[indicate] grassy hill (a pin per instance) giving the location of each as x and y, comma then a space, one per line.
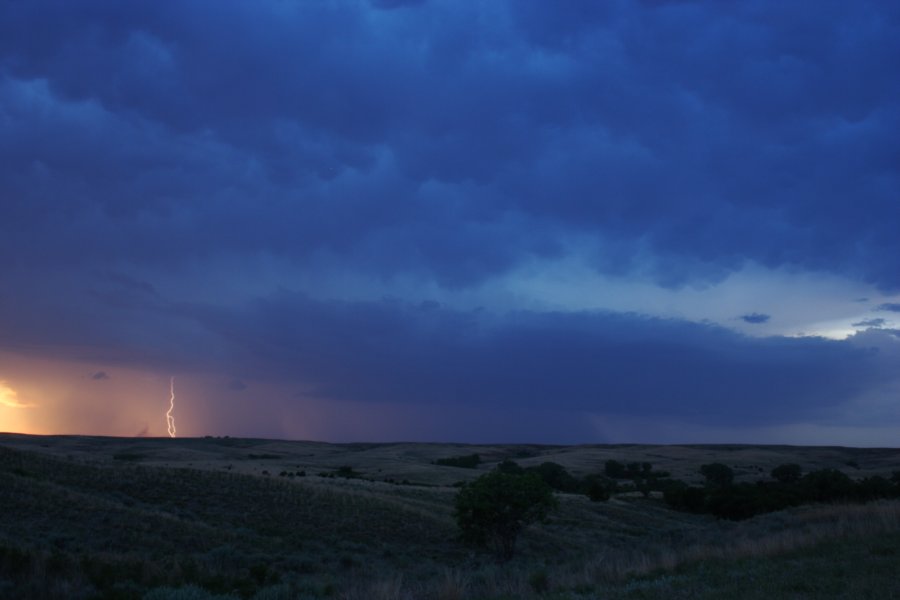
87, 517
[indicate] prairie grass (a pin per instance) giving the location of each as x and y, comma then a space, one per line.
121, 529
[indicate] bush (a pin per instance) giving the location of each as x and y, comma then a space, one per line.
556, 476
614, 469
510, 467
788, 473
746, 500
347, 472
826, 485
492, 510
717, 474
873, 488
687, 498
539, 581
596, 489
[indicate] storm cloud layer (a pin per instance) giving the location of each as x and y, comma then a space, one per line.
252, 190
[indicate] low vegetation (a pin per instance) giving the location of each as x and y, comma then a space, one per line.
788, 487
131, 528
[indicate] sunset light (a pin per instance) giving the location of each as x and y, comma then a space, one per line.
9, 397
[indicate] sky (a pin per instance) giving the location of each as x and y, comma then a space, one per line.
507, 221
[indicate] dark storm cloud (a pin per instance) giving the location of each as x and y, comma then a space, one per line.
144, 145
609, 363
453, 141
869, 323
236, 385
755, 318
392, 4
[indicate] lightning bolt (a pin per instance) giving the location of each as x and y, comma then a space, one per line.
170, 420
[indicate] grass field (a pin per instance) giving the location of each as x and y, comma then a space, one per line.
84, 517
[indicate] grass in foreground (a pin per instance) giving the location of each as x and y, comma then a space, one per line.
74, 530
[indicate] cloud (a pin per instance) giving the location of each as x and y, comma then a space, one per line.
392, 4
869, 323
889, 306
167, 176
99, 375
9, 397
487, 136
610, 363
755, 318
236, 385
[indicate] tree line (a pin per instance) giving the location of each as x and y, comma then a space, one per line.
493, 509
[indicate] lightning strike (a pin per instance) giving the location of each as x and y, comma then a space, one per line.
170, 420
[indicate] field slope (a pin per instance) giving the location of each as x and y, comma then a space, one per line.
134, 518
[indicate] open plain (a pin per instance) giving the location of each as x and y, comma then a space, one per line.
95, 517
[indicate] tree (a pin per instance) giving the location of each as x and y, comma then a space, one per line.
556, 476
510, 467
826, 485
614, 469
717, 474
596, 489
492, 510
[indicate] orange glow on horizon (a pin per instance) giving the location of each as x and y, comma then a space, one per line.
12, 418
9, 397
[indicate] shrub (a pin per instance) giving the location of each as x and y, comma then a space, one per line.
347, 472
746, 500
492, 510
872, 488
614, 469
687, 498
556, 476
595, 489
826, 485
511, 467
788, 473
717, 474
539, 581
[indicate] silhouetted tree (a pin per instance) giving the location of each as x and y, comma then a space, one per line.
717, 474
493, 509
556, 476
596, 489
826, 485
